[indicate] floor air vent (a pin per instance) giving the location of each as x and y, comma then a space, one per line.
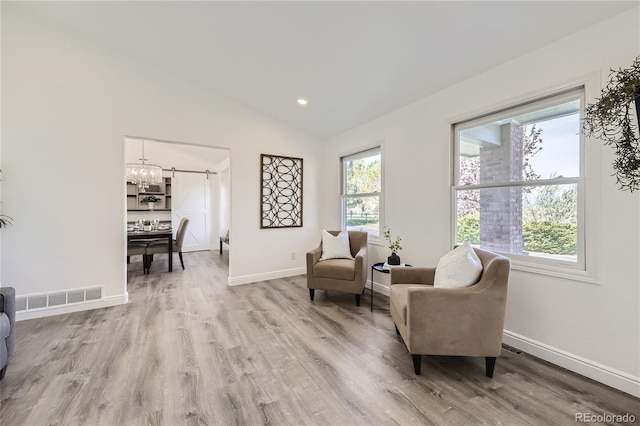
58, 298
513, 350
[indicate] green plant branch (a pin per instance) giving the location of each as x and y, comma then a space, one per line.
610, 119
394, 245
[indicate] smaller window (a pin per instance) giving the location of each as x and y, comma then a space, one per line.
361, 191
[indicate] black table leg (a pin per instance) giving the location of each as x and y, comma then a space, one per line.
372, 289
170, 246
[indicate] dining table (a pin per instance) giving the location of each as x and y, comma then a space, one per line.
159, 233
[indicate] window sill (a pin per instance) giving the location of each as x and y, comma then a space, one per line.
375, 241
566, 273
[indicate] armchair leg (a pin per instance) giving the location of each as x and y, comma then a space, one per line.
417, 363
3, 372
312, 292
397, 331
181, 262
357, 300
490, 363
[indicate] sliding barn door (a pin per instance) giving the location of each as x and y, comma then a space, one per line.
190, 198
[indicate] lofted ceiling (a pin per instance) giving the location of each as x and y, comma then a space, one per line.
354, 61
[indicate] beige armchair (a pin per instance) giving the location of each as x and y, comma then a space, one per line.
343, 275
451, 321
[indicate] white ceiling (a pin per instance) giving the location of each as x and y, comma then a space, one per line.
354, 61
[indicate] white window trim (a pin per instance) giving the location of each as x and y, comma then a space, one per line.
361, 153
585, 270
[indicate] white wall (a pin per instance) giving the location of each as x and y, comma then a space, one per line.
225, 197
592, 328
67, 103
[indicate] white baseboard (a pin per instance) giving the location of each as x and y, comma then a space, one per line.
379, 288
593, 370
248, 279
121, 299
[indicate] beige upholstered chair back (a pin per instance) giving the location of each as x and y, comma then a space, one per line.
180, 233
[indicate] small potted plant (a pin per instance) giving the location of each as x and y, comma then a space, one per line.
151, 201
146, 225
394, 246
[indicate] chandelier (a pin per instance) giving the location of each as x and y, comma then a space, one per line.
143, 174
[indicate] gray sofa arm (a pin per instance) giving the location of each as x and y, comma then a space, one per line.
8, 307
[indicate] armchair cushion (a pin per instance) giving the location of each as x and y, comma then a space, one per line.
461, 267
337, 269
335, 247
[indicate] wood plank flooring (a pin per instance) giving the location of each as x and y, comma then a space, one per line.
187, 349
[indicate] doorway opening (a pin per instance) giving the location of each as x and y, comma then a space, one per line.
195, 186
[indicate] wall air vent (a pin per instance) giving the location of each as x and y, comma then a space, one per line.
513, 350
37, 302
57, 299
21, 303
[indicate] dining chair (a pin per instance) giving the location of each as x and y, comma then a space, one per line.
135, 249
161, 246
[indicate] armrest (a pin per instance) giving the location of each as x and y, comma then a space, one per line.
313, 257
8, 301
360, 257
8, 306
407, 275
361, 264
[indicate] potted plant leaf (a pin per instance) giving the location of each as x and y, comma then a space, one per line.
4, 221
610, 118
151, 201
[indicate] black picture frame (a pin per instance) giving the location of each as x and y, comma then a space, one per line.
281, 184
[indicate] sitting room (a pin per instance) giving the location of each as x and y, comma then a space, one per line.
422, 225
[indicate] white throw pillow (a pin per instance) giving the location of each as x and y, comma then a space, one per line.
335, 247
461, 267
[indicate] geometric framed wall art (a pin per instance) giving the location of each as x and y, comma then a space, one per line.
280, 191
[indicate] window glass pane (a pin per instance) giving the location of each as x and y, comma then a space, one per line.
538, 221
363, 213
362, 175
539, 144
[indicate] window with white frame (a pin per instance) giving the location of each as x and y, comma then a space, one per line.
362, 191
518, 181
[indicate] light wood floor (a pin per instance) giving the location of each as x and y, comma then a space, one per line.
187, 349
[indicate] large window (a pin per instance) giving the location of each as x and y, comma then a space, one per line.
361, 191
518, 185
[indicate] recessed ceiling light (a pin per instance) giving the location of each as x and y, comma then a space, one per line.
302, 101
